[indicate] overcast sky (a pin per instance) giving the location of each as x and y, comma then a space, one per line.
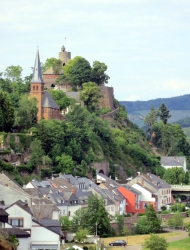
144, 43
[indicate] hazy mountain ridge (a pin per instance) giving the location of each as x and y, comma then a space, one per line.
172, 103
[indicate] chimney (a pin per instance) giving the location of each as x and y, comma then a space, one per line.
73, 191
26, 203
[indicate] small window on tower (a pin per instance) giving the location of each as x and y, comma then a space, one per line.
37, 88
33, 87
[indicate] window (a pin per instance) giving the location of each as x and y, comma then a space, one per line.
33, 87
16, 222
112, 208
36, 87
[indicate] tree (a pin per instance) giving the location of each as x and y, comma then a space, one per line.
90, 95
155, 242
149, 223
53, 63
36, 153
13, 72
61, 99
65, 164
175, 175
120, 223
79, 220
81, 235
164, 113
176, 220
97, 215
7, 112
98, 74
65, 223
77, 71
150, 120
26, 114
126, 231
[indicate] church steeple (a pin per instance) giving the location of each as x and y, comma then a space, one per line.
37, 72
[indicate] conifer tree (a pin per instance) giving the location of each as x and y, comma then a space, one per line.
164, 113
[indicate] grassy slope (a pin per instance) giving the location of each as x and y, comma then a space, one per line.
180, 244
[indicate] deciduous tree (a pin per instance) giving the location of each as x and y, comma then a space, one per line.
98, 74
90, 95
155, 242
77, 71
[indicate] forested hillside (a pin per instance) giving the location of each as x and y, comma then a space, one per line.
173, 103
72, 145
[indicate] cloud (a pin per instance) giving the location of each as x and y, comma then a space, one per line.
175, 85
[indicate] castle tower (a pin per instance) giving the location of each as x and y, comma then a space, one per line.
37, 85
64, 56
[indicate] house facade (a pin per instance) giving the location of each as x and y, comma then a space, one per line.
173, 161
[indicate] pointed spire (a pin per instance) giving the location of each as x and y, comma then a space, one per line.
37, 73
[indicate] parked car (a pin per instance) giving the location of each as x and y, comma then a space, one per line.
118, 243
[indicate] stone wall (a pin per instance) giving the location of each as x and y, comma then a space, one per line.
101, 167
107, 99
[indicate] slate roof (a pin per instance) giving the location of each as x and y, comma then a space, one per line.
44, 211
17, 232
49, 228
48, 101
37, 72
156, 180
165, 160
22, 205
44, 183
38, 192
3, 212
61, 183
74, 95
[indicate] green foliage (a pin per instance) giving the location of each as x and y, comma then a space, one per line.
176, 220
17, 177
126, 231
150, 120
155, 242
53, 63
149, 223
81, 235
163, 113
65, 223
7, 112
120, 223
13, 72
98, 74
90, 95
94, 213
61, 99
65, 164
175, 175
77, 71
6, 166
37, 153
13, 240
26, 113
178, 207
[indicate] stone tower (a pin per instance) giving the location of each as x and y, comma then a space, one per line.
64, 56
37, 85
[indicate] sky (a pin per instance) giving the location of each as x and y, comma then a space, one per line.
144, 43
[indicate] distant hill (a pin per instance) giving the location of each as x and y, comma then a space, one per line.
173, 103
184, 123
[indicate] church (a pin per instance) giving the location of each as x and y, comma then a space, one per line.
47, 108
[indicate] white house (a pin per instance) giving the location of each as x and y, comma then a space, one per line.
173, 161
41, 237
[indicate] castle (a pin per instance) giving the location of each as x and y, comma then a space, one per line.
47, 108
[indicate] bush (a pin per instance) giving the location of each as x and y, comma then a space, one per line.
85, 247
